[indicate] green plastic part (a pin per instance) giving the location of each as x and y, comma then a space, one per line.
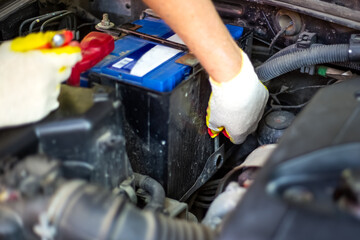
322, 71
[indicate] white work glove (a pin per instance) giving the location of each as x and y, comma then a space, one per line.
235, 107
30, 75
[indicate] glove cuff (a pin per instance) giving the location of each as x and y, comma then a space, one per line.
245, 83
245, 76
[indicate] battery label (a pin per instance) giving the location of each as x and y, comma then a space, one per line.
123, 62
155, 57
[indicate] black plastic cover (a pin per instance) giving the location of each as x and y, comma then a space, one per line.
322, 142
13, 13
85, 133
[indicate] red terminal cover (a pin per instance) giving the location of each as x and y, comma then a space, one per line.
67, 35
94, 48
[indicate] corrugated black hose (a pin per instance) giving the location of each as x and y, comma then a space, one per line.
311, 56
82, 211
282, 52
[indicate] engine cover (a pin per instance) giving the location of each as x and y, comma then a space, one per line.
294, 195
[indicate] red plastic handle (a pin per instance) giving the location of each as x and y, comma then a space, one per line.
94, 48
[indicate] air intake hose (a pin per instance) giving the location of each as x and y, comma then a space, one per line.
82, 211
307, 57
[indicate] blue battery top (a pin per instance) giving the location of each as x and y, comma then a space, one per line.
148, 64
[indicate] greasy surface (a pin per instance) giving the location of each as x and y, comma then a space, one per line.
263, 20
165, 132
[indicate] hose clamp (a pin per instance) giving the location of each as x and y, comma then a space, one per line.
354, 47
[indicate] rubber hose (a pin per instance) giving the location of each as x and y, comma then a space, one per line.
289, 49
152, 226
306, 57
155, 190
284, 51
82, 211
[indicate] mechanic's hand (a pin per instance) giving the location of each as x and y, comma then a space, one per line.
31, 71
235, 107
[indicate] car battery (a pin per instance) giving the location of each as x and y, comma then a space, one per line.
165, 103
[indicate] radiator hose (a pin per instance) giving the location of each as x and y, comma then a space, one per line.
306, 57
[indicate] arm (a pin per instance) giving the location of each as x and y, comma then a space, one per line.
200, 27
238, 98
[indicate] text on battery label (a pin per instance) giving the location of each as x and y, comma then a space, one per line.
123, 62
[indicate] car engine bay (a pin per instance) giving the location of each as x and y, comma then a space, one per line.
127, 154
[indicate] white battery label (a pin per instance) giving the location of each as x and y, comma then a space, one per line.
123, 62
155, 57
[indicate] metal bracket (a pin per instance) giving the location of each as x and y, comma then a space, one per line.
131, 26
188, 59
127, 187
152, 38
116, 31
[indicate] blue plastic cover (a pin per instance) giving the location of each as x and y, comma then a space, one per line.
130, 49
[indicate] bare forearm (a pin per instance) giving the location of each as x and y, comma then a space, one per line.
200, 27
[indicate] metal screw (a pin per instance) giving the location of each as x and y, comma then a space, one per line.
105, 22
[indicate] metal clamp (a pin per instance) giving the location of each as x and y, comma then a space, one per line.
108, 27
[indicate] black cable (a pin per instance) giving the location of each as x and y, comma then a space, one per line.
298, 89
289, 107
281, 32
85, 25
280, 106
38, 19
265, 42
54, 19
311, 56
